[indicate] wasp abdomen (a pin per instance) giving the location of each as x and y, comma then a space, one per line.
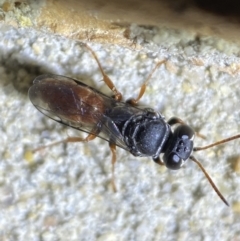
67, 100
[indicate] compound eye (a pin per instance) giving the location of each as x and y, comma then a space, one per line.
173, 161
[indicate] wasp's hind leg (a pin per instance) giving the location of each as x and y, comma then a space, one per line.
114, 159
91, 136
88, 138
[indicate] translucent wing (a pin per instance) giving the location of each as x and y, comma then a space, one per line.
75, 104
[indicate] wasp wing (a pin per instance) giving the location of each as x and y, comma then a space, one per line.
72, 103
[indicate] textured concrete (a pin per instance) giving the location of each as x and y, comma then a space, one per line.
64, 192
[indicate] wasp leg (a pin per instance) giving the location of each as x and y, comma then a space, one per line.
176, 120
106, 79
158, 161
114, 159
144, 85
68, 139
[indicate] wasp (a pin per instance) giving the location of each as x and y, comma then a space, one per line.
141, 131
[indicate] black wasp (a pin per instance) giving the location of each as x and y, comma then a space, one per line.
141, 131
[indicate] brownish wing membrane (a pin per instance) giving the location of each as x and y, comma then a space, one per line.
75, 104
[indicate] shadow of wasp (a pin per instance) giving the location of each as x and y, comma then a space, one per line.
141, 131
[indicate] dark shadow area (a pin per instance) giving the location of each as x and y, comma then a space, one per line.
21, 73
220, 7
225, 8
